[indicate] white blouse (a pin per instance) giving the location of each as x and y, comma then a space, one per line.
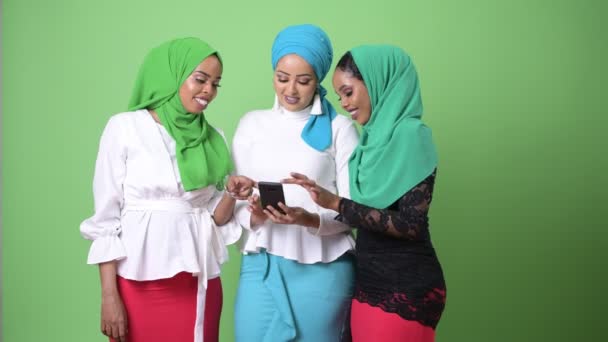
143, 217
267, 146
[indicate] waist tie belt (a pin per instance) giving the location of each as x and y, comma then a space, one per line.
208, 237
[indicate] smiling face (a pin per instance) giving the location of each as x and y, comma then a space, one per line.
295, 83
353, 96
200, 88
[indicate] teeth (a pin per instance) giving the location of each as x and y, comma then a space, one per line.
202, 102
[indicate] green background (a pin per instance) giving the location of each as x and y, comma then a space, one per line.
514, 91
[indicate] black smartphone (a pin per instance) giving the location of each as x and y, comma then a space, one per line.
271, 193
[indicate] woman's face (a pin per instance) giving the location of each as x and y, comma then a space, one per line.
295, 83
200, 88
353, 96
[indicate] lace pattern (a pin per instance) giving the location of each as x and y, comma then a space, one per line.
397, 268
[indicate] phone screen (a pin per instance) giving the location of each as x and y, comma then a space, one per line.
271, 193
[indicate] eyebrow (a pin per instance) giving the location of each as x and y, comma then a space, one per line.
206, 74
288, 74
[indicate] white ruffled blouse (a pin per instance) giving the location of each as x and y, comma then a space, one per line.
266, 147
143, 217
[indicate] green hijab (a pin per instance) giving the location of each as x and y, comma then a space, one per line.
202, 155
396, 150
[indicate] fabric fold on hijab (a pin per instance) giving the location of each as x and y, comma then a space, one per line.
202, 156
396, 150
312, 44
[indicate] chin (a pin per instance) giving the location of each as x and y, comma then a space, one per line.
294, 108
195, 111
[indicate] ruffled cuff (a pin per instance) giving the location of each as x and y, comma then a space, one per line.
230, 231
106, 248
328, 225
242, 215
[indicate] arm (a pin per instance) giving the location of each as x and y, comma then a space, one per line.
237, 187
247, 214
104, 226
346, 141
223, 210
409, 222
113, 314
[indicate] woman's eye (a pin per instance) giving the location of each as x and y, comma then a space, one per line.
201, 80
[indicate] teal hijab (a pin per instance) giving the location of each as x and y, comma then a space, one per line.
396, 150
202, 156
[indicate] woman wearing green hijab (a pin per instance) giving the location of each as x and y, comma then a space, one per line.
400, 290
162, 218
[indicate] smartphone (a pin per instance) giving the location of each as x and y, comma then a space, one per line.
271, 193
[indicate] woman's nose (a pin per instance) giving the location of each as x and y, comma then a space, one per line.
291, 88
343, 103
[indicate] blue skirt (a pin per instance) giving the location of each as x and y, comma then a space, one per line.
282, 300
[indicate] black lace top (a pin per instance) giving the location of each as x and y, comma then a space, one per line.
397, 269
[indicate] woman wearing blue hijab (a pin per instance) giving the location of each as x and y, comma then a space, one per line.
297, 270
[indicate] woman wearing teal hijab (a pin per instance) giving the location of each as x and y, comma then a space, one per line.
297, 275
400, 291
162, 218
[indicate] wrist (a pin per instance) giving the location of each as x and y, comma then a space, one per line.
312, 221
228, 196
335, 204
109, 292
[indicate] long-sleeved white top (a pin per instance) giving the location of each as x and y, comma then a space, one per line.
143, 217
267, 146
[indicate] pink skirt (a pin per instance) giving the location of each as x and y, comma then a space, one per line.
165, 310
370, 324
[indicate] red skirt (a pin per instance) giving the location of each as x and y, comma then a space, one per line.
372, 324
166, 310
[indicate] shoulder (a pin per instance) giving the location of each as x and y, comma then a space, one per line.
342, 122
126, 118
253, 120
255, 116
121, 124
341, 126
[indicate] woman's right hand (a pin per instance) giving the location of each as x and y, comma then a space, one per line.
114, 317
258, 217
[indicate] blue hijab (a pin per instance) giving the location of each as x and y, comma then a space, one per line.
313, 45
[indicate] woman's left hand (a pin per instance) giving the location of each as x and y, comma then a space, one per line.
292, 215
318, 194
240, 187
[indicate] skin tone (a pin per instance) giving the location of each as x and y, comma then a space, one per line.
354, 98
295, 84
197, 91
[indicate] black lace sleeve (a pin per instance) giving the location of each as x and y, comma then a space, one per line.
405, 219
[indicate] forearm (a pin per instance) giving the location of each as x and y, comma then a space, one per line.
223, 211
107, 275
403, 224
311, 220
334, 204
